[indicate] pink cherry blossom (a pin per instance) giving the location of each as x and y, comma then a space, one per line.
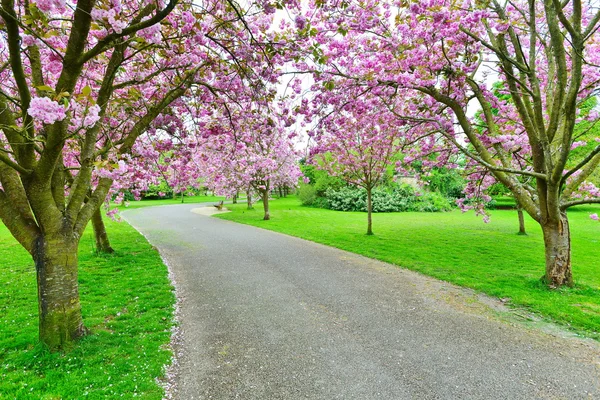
46, 110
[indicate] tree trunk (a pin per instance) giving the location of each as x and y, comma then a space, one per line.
557, 243
265, 199
280, 191
369, 211
102, 242
182, 194
521, 220
58, 295
249, 200
234, 199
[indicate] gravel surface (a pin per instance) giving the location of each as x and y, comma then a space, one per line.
267, 316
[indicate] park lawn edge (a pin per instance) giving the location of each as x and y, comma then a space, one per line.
127, 304
575, 309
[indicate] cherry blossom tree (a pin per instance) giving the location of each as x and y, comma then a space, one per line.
433, 61
81, 83
357, 143
254, 154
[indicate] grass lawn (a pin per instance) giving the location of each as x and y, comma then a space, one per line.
458, 248
127, 302
177, 200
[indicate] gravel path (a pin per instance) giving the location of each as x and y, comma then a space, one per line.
266, 316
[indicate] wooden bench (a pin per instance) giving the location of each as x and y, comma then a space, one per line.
219, 205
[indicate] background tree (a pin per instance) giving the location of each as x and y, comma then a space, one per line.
255, 153
357, 144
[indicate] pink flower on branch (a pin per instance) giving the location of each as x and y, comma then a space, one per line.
46, 110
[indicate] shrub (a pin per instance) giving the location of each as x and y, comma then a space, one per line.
154, 190
307, 194
447, 182
400, 198
432, 202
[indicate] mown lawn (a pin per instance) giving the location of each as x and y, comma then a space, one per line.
127, 302
458, 248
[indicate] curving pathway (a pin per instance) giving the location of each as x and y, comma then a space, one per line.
266, 316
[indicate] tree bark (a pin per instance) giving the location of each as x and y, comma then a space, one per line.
557, 242
265, 199
249, 200
102, 242
521, 220
60, 320
369, 211
234, 199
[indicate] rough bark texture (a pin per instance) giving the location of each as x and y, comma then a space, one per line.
557, 242
234, 199
100, 235
249, 200
521, 221
265, 199
369, 212
60, 321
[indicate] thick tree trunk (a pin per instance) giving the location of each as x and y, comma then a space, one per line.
369, 212
557, 242
234, 199
265, 199
102, 242
60, 321
249, 200
521, 221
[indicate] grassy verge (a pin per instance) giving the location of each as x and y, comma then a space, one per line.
177, 200
127, 302
461, 249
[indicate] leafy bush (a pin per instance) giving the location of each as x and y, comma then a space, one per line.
432, 202
307, 194
400, 198
347, 199
154, 190
448, 182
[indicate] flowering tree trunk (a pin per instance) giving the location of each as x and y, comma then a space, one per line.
557, 243
249, 200
60, 321
369, 211
100, 234
265, 199
521, 220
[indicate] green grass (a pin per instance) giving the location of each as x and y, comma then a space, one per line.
461, 249
127, 302
177, 200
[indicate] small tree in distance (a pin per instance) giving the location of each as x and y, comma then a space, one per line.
358, 145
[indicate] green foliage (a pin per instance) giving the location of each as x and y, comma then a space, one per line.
461, 249
447, 182
307, 194
154, 190
127, 302
400, 198
321, 180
